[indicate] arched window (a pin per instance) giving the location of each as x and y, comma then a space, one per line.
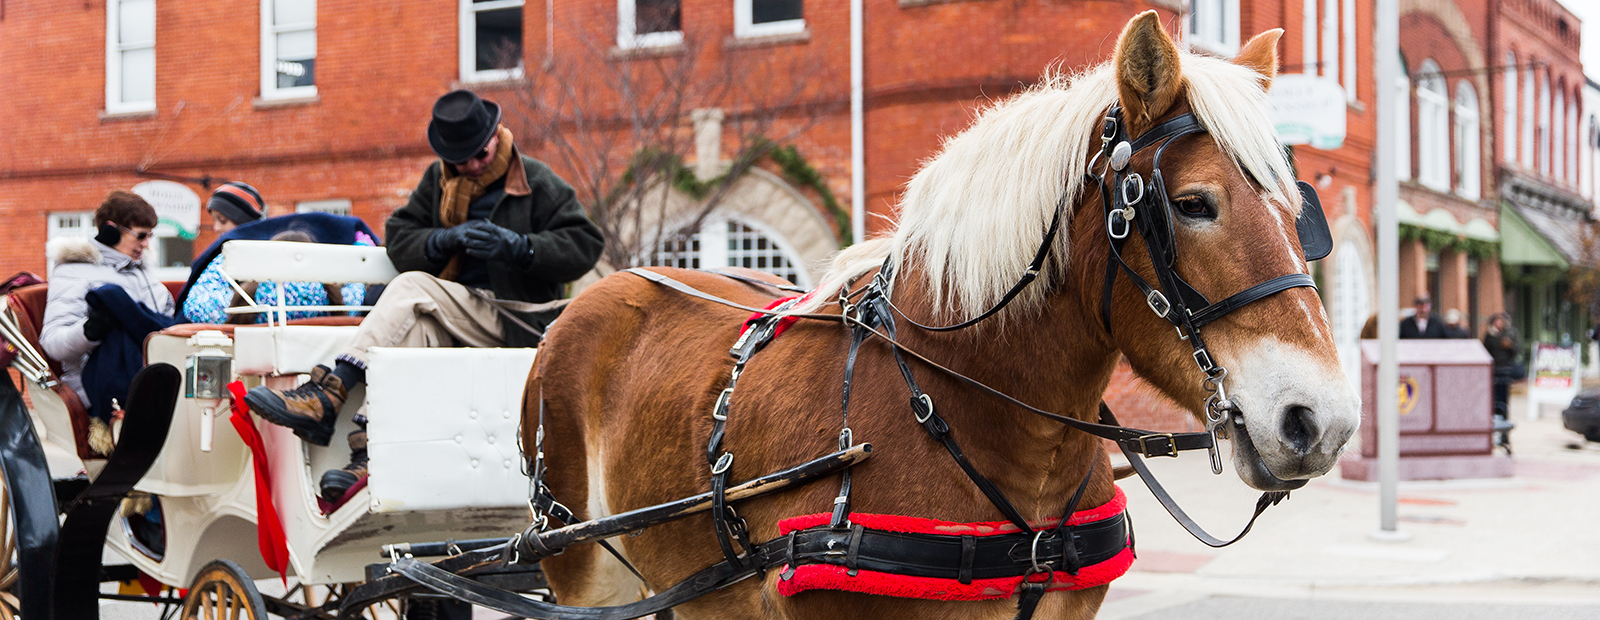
727, 242
1433, 128
1529, 113
1558, 132
1467, 164
1508, 150
1402, 123
1543, 130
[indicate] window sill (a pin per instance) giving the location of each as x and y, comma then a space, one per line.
290, 102
908, 4
1356, 106
490, 84
650, 51
768, 40
117, 117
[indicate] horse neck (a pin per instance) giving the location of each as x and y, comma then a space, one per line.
1054, 358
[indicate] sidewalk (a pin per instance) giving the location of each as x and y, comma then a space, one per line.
1533, 538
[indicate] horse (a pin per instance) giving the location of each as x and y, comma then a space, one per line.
628, 377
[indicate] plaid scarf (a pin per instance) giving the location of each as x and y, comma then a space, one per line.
458, 191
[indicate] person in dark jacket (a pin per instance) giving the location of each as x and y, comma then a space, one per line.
487, 240
1423, 324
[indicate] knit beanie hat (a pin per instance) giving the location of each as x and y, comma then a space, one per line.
238, 202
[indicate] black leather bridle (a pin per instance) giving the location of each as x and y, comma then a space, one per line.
1133, 203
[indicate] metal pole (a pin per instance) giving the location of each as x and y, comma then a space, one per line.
1386, 45
858, 136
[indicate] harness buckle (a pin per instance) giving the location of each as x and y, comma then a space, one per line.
1171, 447
928, 401
1136, 182
1115, 217
720, 411
1038, 566
1158, 303
846, 438
723, 463
1203, 358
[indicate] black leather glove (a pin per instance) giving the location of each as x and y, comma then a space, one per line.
98, 325
445, 242
489, 242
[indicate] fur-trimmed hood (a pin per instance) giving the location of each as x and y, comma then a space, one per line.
77, 250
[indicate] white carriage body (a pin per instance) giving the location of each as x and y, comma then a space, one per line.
444, 448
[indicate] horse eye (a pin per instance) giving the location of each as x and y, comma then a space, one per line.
1195, 206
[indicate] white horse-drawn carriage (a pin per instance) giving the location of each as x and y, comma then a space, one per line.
445, 460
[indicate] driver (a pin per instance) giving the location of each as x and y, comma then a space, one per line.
487, 235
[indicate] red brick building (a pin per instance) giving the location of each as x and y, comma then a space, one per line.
322, 104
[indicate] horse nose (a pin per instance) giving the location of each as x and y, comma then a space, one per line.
1299, 429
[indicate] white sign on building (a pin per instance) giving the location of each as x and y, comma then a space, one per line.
177, 207
1308, 109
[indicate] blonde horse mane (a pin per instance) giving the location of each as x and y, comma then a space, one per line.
974, 214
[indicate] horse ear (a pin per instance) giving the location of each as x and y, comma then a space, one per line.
1261, 54
1148, 78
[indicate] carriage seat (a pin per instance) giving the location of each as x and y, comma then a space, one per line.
443, 428
27, 304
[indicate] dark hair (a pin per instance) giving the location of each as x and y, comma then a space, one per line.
127, 209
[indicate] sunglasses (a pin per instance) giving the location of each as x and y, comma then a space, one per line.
138, 236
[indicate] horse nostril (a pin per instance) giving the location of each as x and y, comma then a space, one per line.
1299, 429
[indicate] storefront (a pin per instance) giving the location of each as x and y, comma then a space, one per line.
1548, 256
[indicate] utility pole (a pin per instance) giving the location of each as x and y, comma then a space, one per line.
1386, 46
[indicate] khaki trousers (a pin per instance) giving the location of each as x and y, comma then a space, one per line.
419, 310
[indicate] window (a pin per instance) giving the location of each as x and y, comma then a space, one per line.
1467, 140
1214, 25
1350, 307
288, 49
759, 18
1508, 151
1349, 25
1542, 133
491, 40
649, 23
130, 56
68, 224
1528, 115
1433, 128
1402, 121
724, 242
1558, 134
1330, 39
338, 206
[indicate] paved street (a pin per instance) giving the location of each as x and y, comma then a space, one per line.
1522, 547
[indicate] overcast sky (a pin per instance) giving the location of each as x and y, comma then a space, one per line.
1589, 12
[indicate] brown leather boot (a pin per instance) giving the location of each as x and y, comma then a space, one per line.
335, 482
310, 410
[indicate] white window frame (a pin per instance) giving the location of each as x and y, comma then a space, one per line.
114, 50
1508, 151
713, 252
627, 20
1203, 19
1529, 113
743, 27
1543, 131
1402, 121
469, 42
1330, 39
1348, 24
269, 55
335, 206
1433, 128
1558, 134
55, 230
1469, 162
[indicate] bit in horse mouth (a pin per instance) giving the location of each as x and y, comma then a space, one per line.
1260, 476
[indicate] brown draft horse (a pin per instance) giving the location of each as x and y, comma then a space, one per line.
631, 371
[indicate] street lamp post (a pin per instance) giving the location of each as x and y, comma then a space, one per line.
1386, 46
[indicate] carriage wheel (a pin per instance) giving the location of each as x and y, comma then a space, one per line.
9, 603
223, 591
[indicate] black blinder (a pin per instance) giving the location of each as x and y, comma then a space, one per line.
1312, 225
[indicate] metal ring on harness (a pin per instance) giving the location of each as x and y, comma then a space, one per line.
1112, 219
1137, 182
723, 463
1038, 567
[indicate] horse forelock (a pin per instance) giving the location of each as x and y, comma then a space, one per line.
972, 217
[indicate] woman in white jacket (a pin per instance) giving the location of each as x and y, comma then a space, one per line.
124, 224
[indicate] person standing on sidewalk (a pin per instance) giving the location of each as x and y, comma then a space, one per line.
487, 238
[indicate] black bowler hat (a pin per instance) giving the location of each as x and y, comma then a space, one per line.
462, 124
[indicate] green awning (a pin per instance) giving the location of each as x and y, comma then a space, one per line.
1523, 242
